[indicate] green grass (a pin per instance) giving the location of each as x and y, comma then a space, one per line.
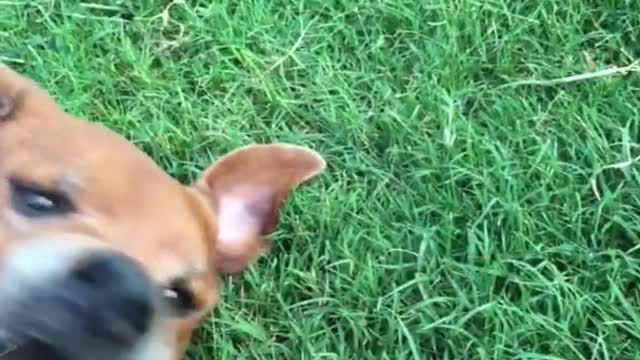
458, 217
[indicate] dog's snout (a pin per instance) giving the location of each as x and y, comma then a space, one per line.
103, 300
120, 285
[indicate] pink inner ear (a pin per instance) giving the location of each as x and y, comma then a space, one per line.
241, 217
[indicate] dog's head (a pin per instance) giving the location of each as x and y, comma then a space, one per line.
102, 254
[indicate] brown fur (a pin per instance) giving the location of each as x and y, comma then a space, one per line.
125, 201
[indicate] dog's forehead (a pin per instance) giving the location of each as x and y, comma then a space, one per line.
132, 202
60, 142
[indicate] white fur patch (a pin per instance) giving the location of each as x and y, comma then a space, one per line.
39, 260
152, 348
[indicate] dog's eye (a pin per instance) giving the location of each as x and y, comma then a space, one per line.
33, 201
179, 297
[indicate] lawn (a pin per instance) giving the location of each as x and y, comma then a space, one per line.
467, 212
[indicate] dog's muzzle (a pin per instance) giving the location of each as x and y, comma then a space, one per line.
98, 307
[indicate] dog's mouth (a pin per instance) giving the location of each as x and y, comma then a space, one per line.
101, 306
34, 349
45, 326
29, 350
53, 326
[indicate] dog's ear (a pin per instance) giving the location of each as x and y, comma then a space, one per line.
20, 94
247, 188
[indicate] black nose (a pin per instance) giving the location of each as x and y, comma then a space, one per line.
121, 293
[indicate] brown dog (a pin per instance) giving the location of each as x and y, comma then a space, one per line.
102, 254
